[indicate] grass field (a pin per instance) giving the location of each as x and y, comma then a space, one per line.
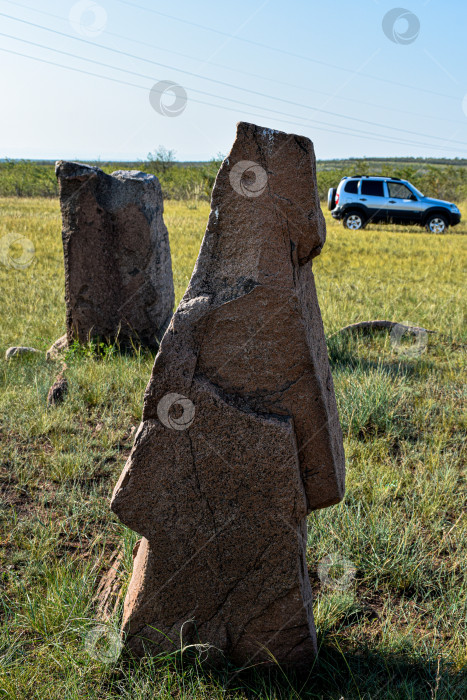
397, 629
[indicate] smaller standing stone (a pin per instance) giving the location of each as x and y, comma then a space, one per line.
118, 271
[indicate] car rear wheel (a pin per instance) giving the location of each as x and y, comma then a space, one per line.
436, 224
331, 198
354, 221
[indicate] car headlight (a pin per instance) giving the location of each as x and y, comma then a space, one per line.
454, 208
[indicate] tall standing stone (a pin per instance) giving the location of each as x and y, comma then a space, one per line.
118, 272
240, 436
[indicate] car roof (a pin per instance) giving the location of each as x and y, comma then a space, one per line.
372, 177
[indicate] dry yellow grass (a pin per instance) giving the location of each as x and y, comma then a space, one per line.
398, 628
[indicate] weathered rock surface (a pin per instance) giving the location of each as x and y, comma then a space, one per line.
118, 273
240, 435
19, 350
58, 390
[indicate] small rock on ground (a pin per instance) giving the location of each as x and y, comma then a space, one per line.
19, 350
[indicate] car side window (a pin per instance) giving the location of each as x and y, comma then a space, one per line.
373, 188
399, 191
352, 186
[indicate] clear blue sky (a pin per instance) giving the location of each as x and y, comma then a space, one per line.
323, 69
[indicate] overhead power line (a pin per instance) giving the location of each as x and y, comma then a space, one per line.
250, 74
201, 92
376, 137
229, 85
283, 51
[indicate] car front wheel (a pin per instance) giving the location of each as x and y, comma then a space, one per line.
436, 224
353, 221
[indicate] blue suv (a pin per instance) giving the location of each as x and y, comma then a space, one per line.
359, 200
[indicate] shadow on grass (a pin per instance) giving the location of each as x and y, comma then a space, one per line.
335, 675
366, 674
343, 352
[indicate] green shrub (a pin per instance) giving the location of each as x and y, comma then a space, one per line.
194, 181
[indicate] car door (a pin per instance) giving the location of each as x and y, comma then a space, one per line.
373, 197
403, 205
